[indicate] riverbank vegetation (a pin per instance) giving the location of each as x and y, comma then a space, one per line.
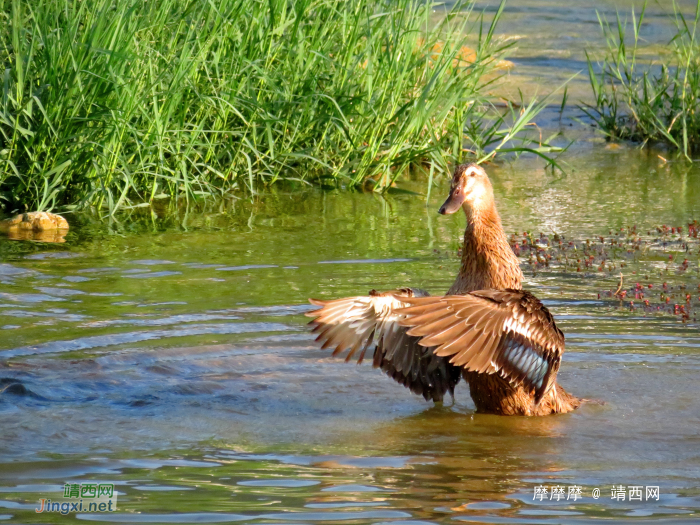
657, 102
111, 104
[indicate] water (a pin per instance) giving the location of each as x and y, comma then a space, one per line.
169, 355
553, 37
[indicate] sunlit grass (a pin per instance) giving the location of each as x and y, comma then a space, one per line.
649, 103
110, 104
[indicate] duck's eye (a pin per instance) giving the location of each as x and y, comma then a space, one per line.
472, 174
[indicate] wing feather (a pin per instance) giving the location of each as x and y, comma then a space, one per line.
358, 323
444, 332
509, 332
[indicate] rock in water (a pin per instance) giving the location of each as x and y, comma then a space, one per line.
36, 226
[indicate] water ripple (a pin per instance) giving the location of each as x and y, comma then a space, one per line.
164, 321
365, 261
246, 267
151, 274
99, 341
30, 297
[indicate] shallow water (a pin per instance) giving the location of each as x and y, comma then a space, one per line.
169, 355
552, 38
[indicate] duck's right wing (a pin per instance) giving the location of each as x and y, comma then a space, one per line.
505, 332
360, 323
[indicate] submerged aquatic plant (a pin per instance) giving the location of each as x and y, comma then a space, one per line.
648, 272
114, 103
644, 102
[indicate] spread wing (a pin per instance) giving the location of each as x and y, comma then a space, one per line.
358, 324
507, 332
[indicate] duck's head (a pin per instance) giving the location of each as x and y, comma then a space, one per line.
470, 188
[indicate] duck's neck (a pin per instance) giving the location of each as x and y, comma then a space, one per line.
488, 262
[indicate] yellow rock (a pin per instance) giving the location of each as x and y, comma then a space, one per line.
464, 56
36, 226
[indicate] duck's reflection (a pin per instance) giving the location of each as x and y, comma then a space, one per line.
455, 457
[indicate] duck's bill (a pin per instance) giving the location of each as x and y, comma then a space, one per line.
452, 204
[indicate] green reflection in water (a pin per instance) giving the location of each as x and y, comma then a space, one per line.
141, 347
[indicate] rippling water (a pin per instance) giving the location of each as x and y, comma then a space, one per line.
169, 355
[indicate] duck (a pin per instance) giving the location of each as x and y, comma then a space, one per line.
486, 330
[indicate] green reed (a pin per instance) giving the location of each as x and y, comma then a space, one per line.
112, 103
644, 102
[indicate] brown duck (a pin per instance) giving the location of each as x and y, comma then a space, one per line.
500, 338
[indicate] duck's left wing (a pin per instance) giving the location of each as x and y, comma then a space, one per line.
358, 324
508, 332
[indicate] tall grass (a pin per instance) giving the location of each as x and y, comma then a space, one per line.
112, 103
644, 102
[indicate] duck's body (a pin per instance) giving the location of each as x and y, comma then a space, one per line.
502, 340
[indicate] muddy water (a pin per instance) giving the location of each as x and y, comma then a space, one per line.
167, 354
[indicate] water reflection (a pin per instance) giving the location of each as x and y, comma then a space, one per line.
197, 384
180, 366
